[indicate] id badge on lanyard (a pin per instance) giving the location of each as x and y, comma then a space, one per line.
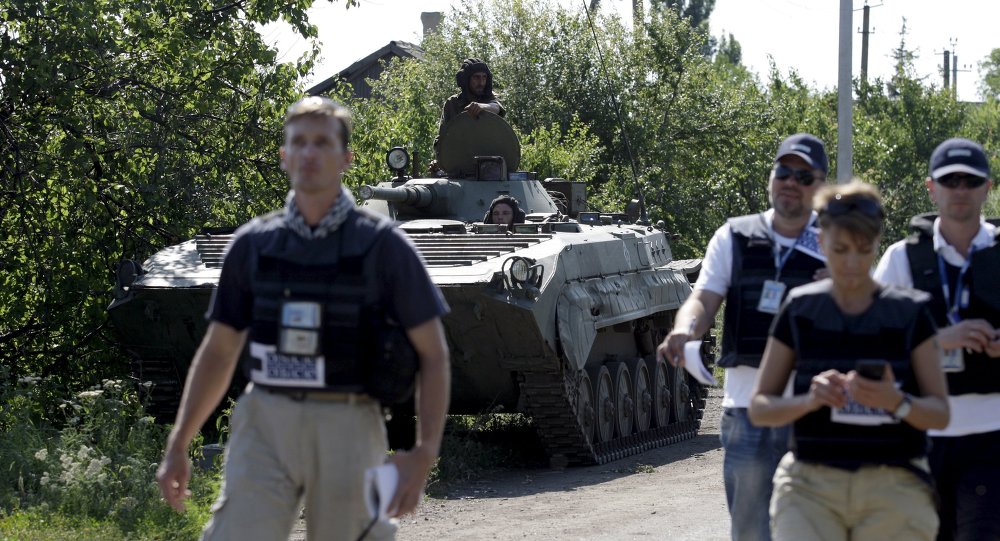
953, 360
773, 291
770, 297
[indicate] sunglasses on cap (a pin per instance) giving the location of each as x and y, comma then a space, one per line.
802, 176
839, 206
951, 181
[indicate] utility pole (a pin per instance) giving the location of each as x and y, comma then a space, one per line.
947, 68
954, 68
864, 40
845, 95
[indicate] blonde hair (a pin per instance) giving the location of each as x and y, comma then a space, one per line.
321, 106
862, 225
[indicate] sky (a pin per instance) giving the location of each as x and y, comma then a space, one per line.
797, 34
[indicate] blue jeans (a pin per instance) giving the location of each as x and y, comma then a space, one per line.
751, 456
968, 480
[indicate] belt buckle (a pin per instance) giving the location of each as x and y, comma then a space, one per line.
298, 396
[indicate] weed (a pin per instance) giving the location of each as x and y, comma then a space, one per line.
86, 463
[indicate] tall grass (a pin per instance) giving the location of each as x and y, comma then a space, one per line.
82, 465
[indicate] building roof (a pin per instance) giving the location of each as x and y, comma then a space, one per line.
365, 67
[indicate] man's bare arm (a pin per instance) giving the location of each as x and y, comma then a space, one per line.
207, 382
693, 319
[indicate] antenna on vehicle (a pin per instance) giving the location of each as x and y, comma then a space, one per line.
643, 217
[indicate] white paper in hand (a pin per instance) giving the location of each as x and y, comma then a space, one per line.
694, 365
380, 487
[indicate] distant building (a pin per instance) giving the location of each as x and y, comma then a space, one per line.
369, 67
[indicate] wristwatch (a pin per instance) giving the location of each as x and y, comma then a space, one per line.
903, 409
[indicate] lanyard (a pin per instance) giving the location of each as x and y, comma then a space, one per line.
779, 258
953, 304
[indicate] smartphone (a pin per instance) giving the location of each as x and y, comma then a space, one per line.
871, 368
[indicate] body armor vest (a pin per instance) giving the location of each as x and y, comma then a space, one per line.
981, 373
319, 323
745, 328
824, 338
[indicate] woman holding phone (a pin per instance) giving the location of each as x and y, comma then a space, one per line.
867, 385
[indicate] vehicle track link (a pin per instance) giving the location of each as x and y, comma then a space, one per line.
550, 399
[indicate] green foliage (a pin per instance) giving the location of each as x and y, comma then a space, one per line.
893, 141
476, 444
552, 153
95, 471
989, 68
124, 127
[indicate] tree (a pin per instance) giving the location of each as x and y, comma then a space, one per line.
989, 68
125, 127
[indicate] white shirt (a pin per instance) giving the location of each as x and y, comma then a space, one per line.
970, 413
716, 276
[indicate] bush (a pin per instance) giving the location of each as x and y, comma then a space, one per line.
89, 465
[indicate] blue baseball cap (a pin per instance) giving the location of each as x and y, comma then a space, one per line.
957, 155
806, 146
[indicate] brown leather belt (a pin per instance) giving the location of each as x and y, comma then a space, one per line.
320, 396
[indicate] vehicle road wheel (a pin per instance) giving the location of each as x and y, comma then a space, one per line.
680, 390
623, 397
604, 405
642, 393
661, 393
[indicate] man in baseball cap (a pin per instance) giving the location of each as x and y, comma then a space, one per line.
953, 255
751, 263
807, 147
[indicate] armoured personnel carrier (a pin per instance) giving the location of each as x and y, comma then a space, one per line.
557, 317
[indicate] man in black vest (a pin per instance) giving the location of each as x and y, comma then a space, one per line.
751, 263
316, 288
955, 256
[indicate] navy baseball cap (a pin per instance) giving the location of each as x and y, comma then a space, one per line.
957, 155
806, 146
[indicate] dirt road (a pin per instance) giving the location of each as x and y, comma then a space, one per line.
675, 492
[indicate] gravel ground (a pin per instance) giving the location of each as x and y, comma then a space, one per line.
674, 492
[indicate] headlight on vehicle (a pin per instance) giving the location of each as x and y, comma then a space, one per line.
519, 270
522, 273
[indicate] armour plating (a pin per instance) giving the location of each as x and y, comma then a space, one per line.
745, 328
342, 285
981, 373
825, 338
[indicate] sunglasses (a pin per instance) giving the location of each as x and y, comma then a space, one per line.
839, 206
952, 181
802, 176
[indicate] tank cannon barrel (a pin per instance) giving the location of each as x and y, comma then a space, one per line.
414, 196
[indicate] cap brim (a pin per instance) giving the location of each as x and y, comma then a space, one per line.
802, 155
959, 168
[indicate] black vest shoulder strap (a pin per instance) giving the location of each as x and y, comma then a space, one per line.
751, 226
920, 252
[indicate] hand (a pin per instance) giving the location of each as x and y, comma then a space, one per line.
414, 466
474, 109
827, 389
993, 348
821, 273
972, 334
672, 348
880, 393
173, 476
